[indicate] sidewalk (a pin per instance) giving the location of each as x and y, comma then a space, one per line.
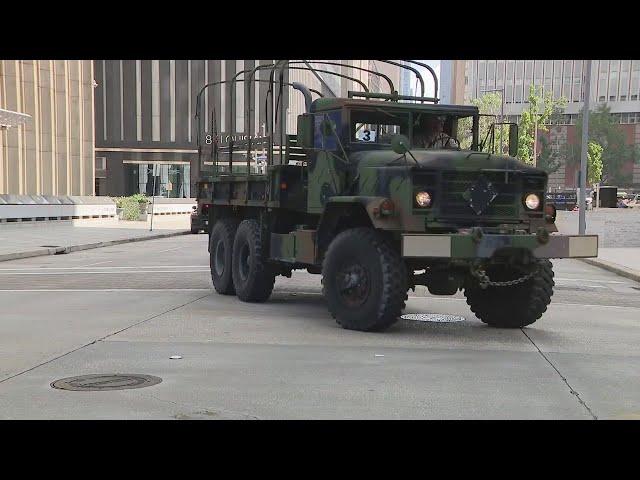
31, 239
618, 233
622, 261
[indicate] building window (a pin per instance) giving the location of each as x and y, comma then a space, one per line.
482, 71
155, 100
164, 179
518, 95
519, 71
634, 97
510, 67
538, 71
612, 98
623, 98
101, 163
601, 98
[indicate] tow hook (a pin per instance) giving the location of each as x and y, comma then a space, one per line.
476, 234
542, 235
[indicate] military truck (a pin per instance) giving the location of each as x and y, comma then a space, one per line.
358, 196
200, 216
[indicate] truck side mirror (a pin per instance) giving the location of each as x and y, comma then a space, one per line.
327, 127
513, 140
400, 144
305, 131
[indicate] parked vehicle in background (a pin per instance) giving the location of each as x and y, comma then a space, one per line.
564, 200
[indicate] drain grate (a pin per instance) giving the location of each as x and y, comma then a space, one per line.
432, 317
50, 246
108, 381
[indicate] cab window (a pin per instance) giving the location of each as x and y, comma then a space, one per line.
377, 126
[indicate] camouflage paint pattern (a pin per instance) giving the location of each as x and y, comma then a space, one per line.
341, 172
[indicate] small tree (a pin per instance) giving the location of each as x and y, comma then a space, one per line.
488, 104
594, 163
542, 107
547, 159
607, 133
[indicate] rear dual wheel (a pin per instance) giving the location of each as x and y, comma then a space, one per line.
237, 261
253, 276
220, 255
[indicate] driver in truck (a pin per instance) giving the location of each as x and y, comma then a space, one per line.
430, 133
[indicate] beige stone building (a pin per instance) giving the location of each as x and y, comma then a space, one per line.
53, 153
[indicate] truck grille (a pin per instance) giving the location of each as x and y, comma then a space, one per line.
506, 205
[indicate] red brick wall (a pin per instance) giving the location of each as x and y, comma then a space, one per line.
572, 136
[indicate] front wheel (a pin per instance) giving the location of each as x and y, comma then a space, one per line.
364, 280
513, 306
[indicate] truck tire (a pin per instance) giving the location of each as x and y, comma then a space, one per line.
364, 281
515, 306
220, 255
253, 277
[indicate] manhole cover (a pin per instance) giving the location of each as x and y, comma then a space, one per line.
432, 317
109, 381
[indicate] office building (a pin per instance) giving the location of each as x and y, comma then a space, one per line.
614, 82
51, 152
146, 133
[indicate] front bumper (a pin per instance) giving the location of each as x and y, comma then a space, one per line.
466, 246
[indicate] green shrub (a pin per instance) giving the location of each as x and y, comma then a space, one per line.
140, 198
131, 205
131, 208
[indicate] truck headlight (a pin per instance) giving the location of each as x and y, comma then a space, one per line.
423, 199
532, 201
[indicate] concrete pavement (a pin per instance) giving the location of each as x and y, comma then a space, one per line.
129, 308
615, 227
32, 239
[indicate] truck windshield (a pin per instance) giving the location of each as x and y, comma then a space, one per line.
432, 130
377, 126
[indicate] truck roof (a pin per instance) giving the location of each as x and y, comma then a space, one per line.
324, 104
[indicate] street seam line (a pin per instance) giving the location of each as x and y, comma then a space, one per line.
101, 339
571, 389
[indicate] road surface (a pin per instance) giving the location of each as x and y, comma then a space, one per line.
129, 308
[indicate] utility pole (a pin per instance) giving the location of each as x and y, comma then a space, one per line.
582, 226
153, 198
535, 140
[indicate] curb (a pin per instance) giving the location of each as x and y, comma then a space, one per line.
613, 267
87, 246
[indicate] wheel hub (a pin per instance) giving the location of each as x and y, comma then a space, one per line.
353, 284
244, 261
219, 258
